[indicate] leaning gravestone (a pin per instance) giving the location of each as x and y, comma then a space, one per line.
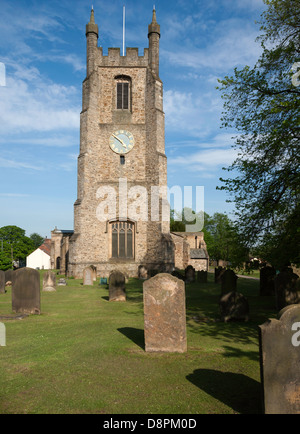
49, 282
234, 306
26, 291
88, 276
287, 289
190, 274
164, 314
2, 282
280, 361
266, 281
228, 281
116, 284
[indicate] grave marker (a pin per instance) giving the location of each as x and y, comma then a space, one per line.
280, 362
117, 290
164, 314
26, 291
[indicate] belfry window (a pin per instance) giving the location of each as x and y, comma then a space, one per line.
123, 90
122, 237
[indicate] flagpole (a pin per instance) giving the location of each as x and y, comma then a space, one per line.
123, 30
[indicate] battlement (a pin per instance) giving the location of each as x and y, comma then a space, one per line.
131, 58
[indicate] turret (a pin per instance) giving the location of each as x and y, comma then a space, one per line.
92, 43
154, 36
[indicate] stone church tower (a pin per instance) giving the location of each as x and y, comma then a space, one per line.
119, 221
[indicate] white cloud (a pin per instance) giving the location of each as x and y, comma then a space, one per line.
42, 107
14, 164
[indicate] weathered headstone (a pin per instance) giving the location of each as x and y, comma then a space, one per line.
26, 291
228, 281
218, 274
287, 289
190, 274
88, 276
266, 281
2, 282
62, 282
164, 314
117, 291
234, 306
280, 362
2, 335
142, 272
49, 281
202, 276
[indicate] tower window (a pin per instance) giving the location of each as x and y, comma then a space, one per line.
122, 159
123, 92
122, 240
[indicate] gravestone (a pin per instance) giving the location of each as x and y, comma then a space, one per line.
287, 289
26, 296
2, 335
116, 284
218, 274
280, 362
142, 272
62, 282
88, 276
2, 282
190, 274
164, 314
202, 276
228, 281
49, 281
266, 281
234, 306
9, 276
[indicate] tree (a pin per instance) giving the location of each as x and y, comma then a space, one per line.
262, 105
14, 246
37, 239
224, 241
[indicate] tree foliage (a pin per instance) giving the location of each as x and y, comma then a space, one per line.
262, 105
14, 245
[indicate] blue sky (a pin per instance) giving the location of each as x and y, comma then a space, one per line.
43, 48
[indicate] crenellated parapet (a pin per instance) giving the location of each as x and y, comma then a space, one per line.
114, 58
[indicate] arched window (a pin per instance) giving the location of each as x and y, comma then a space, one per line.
122, 239
123, 92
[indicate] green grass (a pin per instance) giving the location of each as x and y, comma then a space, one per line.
84, 354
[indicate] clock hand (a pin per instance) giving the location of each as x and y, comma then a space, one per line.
120, 140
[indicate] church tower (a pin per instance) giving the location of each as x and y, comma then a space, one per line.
119, 216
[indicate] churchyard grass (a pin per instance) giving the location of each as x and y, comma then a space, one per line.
84, 354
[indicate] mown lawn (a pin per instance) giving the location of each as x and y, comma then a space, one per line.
84, 354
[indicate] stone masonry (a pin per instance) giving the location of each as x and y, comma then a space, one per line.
98, 166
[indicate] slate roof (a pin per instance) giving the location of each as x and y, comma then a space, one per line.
198, 254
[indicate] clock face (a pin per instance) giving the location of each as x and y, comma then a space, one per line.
121, 141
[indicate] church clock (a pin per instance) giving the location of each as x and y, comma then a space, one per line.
121, 141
